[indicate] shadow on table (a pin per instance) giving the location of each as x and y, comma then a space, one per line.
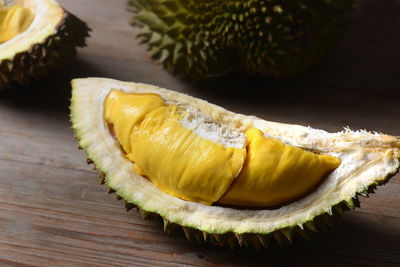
52, 93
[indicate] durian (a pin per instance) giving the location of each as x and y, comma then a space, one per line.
36, 36
355, 163
203, 39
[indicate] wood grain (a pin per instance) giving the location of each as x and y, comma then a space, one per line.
53, 212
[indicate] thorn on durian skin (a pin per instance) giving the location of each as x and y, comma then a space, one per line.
165, 224
240, 239
187, 233
256, 242
231, 241
145, 214
304, 233
128, 206
372, 189
102, 178
110, 190
356, 201
288, 233
196, 235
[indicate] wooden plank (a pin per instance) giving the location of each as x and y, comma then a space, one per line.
53, 212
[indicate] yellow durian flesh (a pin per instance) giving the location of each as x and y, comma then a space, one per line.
14, 20
178, 161
126, 110
184, 164
275, 173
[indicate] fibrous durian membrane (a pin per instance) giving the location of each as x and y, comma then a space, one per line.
13, 21
186, 165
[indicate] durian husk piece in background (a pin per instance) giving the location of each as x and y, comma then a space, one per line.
368, 160
49, 41
204, 39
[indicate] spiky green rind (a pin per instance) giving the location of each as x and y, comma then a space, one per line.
202, 39
232, 240
44, 57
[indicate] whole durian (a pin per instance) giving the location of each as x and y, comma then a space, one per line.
202, 39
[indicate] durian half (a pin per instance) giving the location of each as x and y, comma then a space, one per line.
35, 37
367, 160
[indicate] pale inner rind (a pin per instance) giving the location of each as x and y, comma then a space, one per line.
366, 159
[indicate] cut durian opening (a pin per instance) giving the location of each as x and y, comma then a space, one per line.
191, 156
15, 18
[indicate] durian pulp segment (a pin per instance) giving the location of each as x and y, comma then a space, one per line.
133, 108
180, 162
184, 164
275, 173
14, 20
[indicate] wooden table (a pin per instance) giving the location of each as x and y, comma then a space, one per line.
53, 212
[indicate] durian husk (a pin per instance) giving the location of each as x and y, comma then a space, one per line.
42, 57
281, 235
205, 39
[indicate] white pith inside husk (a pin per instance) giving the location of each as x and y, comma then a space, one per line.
367, 158
48, 14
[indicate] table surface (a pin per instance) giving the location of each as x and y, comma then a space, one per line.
53, 212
